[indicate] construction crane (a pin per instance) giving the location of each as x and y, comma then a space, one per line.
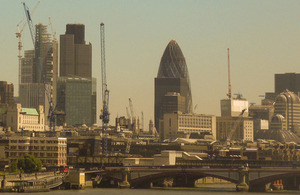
229, 83
237, 122
19, 36
105, 92
52, 30
30, 24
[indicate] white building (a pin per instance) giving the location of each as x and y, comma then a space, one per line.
31, 119
52, 151
234, 107
179, 125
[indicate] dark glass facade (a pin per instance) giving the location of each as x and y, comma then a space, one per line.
172, 77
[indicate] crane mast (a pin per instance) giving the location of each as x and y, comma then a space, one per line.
105, 93
229, 83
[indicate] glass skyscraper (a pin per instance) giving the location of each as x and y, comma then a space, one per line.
172, 76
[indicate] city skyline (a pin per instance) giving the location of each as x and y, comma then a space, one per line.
263, 38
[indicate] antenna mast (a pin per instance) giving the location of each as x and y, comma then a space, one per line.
229, 83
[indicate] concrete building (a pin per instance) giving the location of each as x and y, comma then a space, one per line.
75, 101
30, 119
75, 54
6, 93
180, 125
52, 151
242, 128
172, 76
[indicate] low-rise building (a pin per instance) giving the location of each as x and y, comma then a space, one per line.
31, 119
179, 125
52, 151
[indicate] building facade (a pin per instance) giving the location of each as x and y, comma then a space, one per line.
31, 119
234, 107
52, 151
75, 101
287, 108
241, 128
75, 54
180, 125
6, 93
172, 76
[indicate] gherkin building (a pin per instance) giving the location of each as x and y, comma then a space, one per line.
172, 77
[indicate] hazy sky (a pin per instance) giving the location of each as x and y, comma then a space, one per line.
263, 37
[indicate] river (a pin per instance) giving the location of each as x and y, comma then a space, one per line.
207, 189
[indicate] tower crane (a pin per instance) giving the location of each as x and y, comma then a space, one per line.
52, 30
19, 36
105, 92
30, 24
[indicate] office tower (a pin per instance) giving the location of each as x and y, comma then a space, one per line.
75, 55
76, 62
39, 70
75, 100
172, 77
6, 93
290, 81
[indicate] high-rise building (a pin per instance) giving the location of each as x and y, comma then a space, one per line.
290, 81
172, 76
75, 55
6, 93
76, 63
39, 71
75, 100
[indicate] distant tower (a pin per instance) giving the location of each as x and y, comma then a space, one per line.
76, 62
172, 76
75, 55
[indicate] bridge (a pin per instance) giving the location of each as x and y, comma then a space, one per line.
245, 178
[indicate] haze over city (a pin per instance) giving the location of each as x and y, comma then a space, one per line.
263, 37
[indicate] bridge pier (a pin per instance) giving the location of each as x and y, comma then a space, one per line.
125, 183
243, 185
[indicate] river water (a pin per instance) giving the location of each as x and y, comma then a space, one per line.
224, 189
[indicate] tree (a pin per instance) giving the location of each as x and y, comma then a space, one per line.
13, 167
29, 164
